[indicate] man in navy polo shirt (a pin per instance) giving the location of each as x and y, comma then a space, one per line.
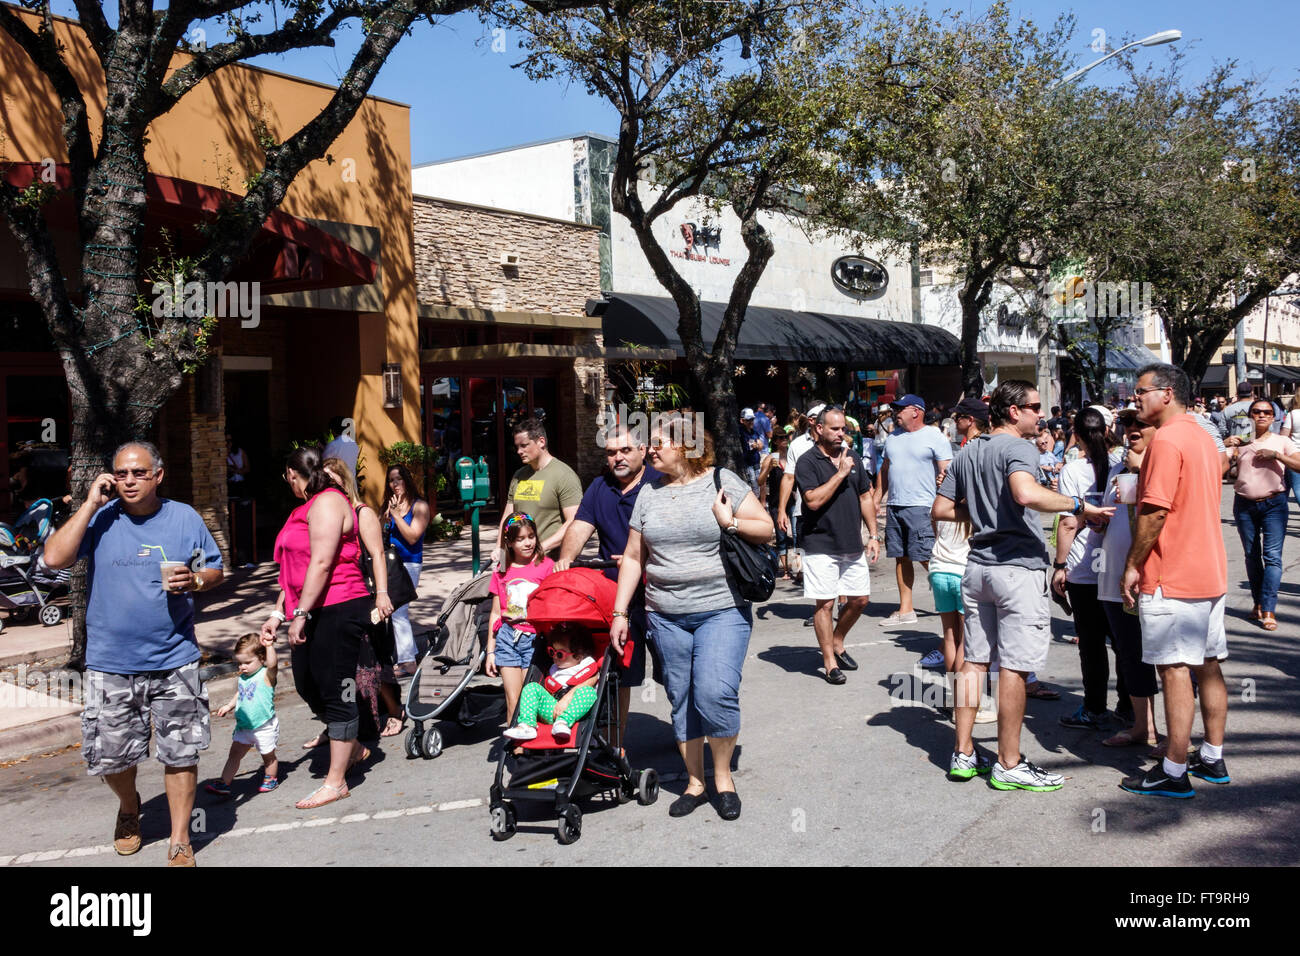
607, 509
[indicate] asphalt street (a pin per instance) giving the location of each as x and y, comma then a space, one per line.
828, 775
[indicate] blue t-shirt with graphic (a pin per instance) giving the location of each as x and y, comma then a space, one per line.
132, 624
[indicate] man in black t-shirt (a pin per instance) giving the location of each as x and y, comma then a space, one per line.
837, 498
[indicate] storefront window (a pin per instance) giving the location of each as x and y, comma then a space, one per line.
442, 411
483, 422
38, 436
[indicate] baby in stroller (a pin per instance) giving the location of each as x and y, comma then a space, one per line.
573, 676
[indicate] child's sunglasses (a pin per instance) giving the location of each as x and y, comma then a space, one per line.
558, 652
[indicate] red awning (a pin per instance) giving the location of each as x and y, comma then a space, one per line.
288, 255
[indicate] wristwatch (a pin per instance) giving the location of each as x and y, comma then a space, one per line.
732, 528
299, 612
1059, 565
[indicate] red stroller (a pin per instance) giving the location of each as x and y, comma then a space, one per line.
591, 760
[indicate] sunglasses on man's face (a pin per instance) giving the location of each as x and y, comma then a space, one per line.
1032, 406
139, 474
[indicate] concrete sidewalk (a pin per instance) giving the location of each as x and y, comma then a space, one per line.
40, 713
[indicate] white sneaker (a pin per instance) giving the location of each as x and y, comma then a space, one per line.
522, 732
560, 730
895, 619
1024, 776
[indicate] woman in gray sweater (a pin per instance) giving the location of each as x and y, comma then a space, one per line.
696, 617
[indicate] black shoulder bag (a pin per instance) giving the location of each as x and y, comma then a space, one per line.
400, 589
752, 568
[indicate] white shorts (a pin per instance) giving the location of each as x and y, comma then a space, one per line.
827, 576
264, 738
1181, 630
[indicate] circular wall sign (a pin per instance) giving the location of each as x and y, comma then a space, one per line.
859, 276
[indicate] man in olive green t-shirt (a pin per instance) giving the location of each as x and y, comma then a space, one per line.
545, 487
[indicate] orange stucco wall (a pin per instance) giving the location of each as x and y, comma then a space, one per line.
210, 137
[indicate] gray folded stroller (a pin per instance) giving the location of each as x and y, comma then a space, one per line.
448, 683
27, 585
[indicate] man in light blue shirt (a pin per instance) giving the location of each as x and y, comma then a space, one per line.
146, 555
914, 462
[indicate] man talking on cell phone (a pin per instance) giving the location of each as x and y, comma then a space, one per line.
145, 556
838, 496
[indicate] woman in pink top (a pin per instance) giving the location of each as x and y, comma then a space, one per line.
328, 610
1260, 507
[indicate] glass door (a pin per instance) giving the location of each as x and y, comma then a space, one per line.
485, 426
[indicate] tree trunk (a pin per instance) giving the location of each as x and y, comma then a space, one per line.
974, 295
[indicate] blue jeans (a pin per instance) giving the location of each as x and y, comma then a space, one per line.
1293, 481
1264, 520
702, 655
403, 636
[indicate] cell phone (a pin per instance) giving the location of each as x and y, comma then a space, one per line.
374, 615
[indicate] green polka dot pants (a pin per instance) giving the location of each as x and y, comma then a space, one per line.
536, 704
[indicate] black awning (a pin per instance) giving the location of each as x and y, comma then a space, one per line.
783, 334
1277, 374
1216, 376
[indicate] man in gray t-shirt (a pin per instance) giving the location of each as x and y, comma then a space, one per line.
993, 482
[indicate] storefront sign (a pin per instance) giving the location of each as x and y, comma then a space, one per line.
859, 277
1011, 320
699, 240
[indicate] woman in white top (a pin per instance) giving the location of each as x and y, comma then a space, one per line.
1139, 679
1078, 545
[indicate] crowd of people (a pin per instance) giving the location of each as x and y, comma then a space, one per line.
966, 492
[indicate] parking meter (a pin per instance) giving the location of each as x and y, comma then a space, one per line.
482, 482
465, 479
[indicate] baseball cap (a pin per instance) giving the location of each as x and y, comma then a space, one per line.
1245, 388
1107, 415
972, 407
816, 410
903, 401
747, 414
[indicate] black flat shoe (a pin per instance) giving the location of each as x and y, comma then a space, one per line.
728, 805
848, 663
835, 676
687, 803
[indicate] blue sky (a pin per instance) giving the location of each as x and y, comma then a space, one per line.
465, 97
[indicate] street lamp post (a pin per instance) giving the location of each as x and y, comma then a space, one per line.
1044, 350
1156, 39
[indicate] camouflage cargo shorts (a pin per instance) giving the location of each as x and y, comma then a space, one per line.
121, 711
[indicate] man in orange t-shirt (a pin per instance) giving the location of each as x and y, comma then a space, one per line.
1180, 567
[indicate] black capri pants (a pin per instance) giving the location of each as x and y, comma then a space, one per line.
325, 667
1126, 632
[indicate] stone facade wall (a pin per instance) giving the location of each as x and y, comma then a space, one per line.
458, 250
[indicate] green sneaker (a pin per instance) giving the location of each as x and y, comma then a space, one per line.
1025, 776
966, 766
